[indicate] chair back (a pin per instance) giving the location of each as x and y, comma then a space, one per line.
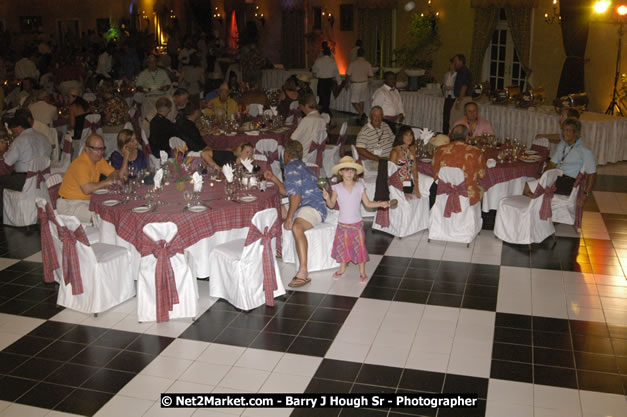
49, 254
267, 151
54, 183
315, 153
543, 195
341, 140
541, 142
255, 109
294, 105
262, 219
38, 173
356, 155
53, 137
83, 256
326, 117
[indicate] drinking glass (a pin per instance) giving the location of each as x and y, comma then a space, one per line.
187, 196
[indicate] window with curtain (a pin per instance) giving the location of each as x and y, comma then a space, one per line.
376, 32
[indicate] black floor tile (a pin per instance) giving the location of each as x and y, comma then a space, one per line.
285, 326
603, 382
72, 374
83, 334
386, 376
557, 377
84, 402
553, 357
385, 281
148, 343
10, 361
479, 303
45, 395
316, 412
108, 380
310, 346
43, 310
37, 294
481, 291
338, 370
552, 340
511, 371
422, 381
330, 315
483, 280
321, 330
399, 261
424, 264
304, 297
589, 328
617, 331
36, 368
390, 270
371, 389
447, 300
273, 341
415, 284
17, 306
251, 321
451, 277
620, 347
417, 297
115, 339
323, 386
12, 388
466, 384
547, 324
25, 266
130, 361
95, 356
28, 345
509, 352
362, 412
237, 337
61, 351
203, 331
459, 268
378, 293
513, 320
338, 301
592, 344
419, 273
511, 335
296, 311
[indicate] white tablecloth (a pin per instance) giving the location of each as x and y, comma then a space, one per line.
275, 78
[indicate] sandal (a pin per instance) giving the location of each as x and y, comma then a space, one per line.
299, 282
337, 275
363, 279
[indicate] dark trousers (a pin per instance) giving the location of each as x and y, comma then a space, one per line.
325, 87
446, 116
393, 124
14, 181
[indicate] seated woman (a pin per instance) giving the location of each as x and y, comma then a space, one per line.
127, 142
288, 95
218, 158
402, 154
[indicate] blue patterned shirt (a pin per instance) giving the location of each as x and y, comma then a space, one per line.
303, 181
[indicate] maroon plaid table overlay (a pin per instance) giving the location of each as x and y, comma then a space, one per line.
192, 227
230, 142
502, 172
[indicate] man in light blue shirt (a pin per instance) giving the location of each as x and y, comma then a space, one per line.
571, 156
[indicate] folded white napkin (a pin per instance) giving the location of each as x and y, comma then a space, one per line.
491, 163
163, 155
274, 110
426, 135
197, 178
157, 178
252, 181
253, 133
227, 170
267, 113
248, 164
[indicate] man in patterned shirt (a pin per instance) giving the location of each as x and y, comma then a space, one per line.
468, 158
306, 205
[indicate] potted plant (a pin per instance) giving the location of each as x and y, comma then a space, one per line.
416, 55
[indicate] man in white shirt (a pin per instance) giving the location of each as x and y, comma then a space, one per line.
325, 69
389, 99
42, 110
153, 82
355, 51
375, 139
105, 63
26, 68
28, 144
357, 74
309, 125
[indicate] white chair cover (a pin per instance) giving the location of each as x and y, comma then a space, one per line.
236, 271
19, 207
177, 143
497, 192
326, 117
50, 258
461, 227
66, 156
319, 245
269, 146
331, 154
411, 215
564, 208
255, 109
518, 218
53, 137
78, 146
544, 142
105, 276
182, 264
319, 140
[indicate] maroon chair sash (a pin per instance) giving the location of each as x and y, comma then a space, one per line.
383, 214
271, 156
71, 264
67, 147
453, 205
48, 254
53, 192
39, 174
341, 142
92, 125
319, 149
165, 283
580, 181
547, 196
269, 275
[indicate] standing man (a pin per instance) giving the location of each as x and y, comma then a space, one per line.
462, 88
389, 99
325, 69
83, 178
355, 51
357, 74
309, 125
306, 205
153, 82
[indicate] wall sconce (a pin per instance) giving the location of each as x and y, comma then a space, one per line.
555, 16
172, 15
430, 12
259, 16
330, 17
217, 16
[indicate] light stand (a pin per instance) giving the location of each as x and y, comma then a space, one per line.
614, 103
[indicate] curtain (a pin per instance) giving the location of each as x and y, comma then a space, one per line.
376, 4
483, 28
499, 4
575, 17
293, 46
519, 22
369, 22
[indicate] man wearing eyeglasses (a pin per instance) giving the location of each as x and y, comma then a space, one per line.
83, 178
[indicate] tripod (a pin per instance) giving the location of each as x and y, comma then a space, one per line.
614, 103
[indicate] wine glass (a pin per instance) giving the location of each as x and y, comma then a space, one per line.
187, 196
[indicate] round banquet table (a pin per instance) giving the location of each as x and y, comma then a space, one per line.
281, 134
223, 221
504, 180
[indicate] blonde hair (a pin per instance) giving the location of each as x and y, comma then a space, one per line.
124, 137
240, 148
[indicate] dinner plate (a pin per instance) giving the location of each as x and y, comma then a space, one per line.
269, 184
111, 203
426, 159
530, 152
231, 133
141, 209
101, 191
529, 161
197, 209
248, 198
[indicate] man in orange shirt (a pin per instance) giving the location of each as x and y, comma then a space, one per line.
83, 178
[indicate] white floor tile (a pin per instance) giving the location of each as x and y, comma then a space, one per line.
7, 262
346, 351
259, 359
556, 398
464, 363
500, 409
121, 405
7, 339
612, 291
514, 294
602, 404
615, 316
552, 412
580, 300
36, 257
172, 328
185, 387
185, 349
584, 313
614, 303
278, 383
427, 361
244, 379
205, 373
20, 410
221, 354
146, 387
19, 324
157, 411
388, 355
4, 405
510, 392
166, 367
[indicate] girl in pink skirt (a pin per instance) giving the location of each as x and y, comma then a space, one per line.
349, 244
